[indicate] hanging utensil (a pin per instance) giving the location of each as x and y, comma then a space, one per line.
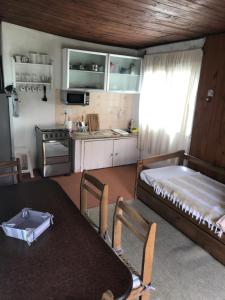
44, 98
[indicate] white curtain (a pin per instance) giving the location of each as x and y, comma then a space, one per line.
167, 100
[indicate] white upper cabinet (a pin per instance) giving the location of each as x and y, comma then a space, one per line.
84, 70
124, 73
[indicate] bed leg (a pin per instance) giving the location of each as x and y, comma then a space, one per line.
139, 169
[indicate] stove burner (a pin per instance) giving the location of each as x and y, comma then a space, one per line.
54, 133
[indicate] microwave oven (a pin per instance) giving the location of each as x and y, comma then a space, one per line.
75, 97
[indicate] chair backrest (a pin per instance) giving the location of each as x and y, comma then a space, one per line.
90, 184
142, 229
12, 169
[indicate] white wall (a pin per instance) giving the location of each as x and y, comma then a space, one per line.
21, 40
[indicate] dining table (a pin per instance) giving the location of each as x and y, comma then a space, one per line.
68, 261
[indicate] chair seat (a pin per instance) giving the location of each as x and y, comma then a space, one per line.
135, 277
91, 222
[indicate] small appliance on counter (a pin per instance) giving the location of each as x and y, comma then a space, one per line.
132, 128
54, 151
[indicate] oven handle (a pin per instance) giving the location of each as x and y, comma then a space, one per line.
43, 153
55, 141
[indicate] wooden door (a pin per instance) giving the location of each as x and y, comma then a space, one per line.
125, 151
98, 154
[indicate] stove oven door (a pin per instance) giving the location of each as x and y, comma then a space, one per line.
56, 151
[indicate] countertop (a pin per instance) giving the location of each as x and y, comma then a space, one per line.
100, 134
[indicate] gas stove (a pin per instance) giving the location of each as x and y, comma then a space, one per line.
54, 150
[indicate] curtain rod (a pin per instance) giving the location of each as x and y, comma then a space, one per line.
175, 47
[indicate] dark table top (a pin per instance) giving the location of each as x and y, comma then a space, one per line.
68, 261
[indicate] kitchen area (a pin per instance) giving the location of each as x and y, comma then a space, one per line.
59, 96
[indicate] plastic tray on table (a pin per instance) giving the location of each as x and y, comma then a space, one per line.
27, 225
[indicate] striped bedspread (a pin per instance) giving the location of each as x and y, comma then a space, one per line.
198, 195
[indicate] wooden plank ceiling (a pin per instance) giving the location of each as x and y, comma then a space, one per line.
129, 23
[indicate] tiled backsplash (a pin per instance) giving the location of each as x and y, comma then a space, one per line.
115, 110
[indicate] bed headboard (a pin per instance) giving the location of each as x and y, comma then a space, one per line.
207, 168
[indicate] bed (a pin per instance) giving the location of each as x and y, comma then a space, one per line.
208, 235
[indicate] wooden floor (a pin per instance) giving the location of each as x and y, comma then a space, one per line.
121, 181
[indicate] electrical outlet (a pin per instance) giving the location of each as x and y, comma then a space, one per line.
67, 111
210, 95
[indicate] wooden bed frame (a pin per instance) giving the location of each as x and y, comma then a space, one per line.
199, 233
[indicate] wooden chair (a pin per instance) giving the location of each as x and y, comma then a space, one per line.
146, 232
11, 165
90, 184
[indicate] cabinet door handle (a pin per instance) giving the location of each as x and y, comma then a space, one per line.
111, 154
116, 153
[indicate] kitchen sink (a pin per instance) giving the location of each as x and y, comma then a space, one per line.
106, 132
97, 134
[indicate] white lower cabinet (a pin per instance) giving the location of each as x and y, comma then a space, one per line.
125, 151
96, 154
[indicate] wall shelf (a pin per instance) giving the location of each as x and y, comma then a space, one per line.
124, 74
31, 64
31, 82
96, 72
32, 74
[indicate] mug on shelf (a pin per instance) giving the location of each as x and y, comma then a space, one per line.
24, 59
28, 88
38, 58
17, 58
21, 88
34, 57
44, 59
33, 88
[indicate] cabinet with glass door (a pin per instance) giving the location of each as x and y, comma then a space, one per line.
124, 73
84, 70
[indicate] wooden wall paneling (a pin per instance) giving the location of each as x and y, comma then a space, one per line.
220, 112
208, 142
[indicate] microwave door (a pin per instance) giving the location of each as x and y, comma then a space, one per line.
76, 98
